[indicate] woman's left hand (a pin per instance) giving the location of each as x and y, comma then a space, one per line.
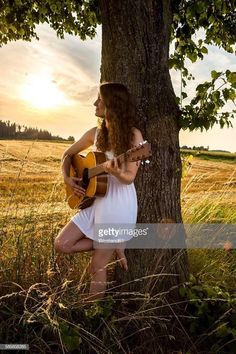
112, 167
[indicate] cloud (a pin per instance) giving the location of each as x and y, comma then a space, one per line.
74, 67
83, 54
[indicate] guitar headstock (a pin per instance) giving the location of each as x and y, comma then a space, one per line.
140, 152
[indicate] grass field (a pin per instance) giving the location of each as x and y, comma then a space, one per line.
211, 155
33, 210
33, 207
211, 184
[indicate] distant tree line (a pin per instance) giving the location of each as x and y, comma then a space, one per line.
201, 148
195, 147
10, 130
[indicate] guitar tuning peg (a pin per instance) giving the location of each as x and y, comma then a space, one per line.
147, 161
142, 162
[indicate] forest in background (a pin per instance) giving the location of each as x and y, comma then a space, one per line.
10, 130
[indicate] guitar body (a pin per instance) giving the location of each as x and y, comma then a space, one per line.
94, 178
95, 186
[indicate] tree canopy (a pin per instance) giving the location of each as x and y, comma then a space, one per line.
215, 18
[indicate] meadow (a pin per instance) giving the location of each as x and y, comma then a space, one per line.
33, 210
211, 155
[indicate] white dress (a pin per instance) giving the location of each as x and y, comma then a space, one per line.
118, 209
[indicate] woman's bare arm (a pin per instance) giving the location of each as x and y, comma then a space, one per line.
83, 143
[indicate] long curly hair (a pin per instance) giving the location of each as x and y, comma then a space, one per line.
120, 113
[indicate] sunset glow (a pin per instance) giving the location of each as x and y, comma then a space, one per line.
52, 84
42, 92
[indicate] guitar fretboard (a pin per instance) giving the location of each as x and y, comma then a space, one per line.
99, 169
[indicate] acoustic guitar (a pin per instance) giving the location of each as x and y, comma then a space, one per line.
94, 177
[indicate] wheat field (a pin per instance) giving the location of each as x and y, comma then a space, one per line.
40, 290
33, 207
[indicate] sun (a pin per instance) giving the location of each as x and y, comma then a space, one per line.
41, 91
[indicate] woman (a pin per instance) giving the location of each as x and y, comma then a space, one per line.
116, 135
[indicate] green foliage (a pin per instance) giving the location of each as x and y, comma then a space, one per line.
18, 19
186, 163
216, 19
70, 336
187, 155
212, 316
211, 96
100, 309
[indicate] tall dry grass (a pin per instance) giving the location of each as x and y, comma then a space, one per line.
209, 196
42, 291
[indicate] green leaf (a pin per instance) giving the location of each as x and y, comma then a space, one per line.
182, 291
204, 50
215, 97
173, 63
177, 100
226, 94
70, 336
192, 56
222, 123
232, 94
71, 342
199, 7
215, 74
211, 19
232, 78
21, 32
222, 330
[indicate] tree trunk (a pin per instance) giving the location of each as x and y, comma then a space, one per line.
135, 51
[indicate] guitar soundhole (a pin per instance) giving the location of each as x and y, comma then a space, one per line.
85, 181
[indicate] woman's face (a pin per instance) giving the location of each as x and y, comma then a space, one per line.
100, 107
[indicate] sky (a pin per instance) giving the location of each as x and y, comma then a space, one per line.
52, 84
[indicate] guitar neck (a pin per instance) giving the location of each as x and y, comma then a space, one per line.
99, 169
135, 154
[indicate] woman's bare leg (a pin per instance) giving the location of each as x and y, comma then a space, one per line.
98, 270
71, 240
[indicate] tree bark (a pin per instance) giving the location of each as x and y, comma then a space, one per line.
135, 51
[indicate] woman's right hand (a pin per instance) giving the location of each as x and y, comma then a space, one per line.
122, 258
78, 190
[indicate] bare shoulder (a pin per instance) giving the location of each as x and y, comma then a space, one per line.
92, 133
136, 135
135, 131
93, 130
83, 143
